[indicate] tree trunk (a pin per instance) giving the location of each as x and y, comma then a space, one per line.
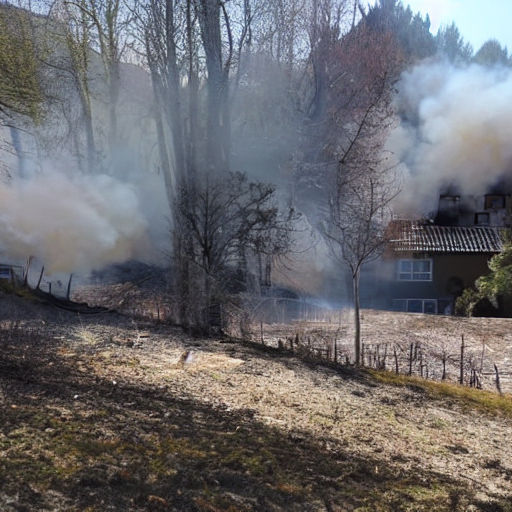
209, 20
193, 99
173, 100
89, 137
16, 144
357, 317
169, 178
112, 107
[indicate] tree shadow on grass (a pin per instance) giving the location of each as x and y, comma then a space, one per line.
72, 438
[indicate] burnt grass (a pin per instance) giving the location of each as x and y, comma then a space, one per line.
88, 424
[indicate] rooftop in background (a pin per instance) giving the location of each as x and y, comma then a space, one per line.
415, 236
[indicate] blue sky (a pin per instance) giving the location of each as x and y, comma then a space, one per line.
477, 20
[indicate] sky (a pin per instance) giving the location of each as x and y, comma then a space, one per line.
477, 20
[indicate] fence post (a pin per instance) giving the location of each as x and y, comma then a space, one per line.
461, 377
498, 386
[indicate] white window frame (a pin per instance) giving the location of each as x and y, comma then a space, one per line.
406, 305
412, 275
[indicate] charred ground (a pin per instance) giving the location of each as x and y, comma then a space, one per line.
107, 413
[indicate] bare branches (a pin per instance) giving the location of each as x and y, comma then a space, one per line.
228, 217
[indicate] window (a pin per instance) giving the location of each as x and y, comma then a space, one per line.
494, 202
482, 219
416, 306
414, 270
447, 200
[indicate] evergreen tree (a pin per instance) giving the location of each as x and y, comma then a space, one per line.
412, 31
491, 53
452, 46
499, 281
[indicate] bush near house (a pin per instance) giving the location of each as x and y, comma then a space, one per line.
486, 297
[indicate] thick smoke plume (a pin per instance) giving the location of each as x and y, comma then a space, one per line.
457, 131
70, 224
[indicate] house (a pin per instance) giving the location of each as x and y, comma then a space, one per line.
429, 263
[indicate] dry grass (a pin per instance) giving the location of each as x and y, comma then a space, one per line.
487, 342
470, 399
91, 423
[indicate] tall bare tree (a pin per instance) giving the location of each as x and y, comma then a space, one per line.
360, 208
103, 26
345, 167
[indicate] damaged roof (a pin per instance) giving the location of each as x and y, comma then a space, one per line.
417, 237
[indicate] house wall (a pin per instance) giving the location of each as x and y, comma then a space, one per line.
484, 210
450, 274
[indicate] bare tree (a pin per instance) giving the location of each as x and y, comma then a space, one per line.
347, 166
102, 26
162, 34
228, 218
360, 210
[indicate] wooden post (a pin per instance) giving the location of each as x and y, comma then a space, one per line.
396, 360
335, 351
498, 386
69, 286
461, 377
410, 358
40, 278
26, 270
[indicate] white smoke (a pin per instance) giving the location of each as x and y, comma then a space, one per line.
458, 130
71, 224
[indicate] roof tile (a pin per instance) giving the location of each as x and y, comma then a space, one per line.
414, 236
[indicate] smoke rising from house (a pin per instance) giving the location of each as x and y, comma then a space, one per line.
456, 131
71, 224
